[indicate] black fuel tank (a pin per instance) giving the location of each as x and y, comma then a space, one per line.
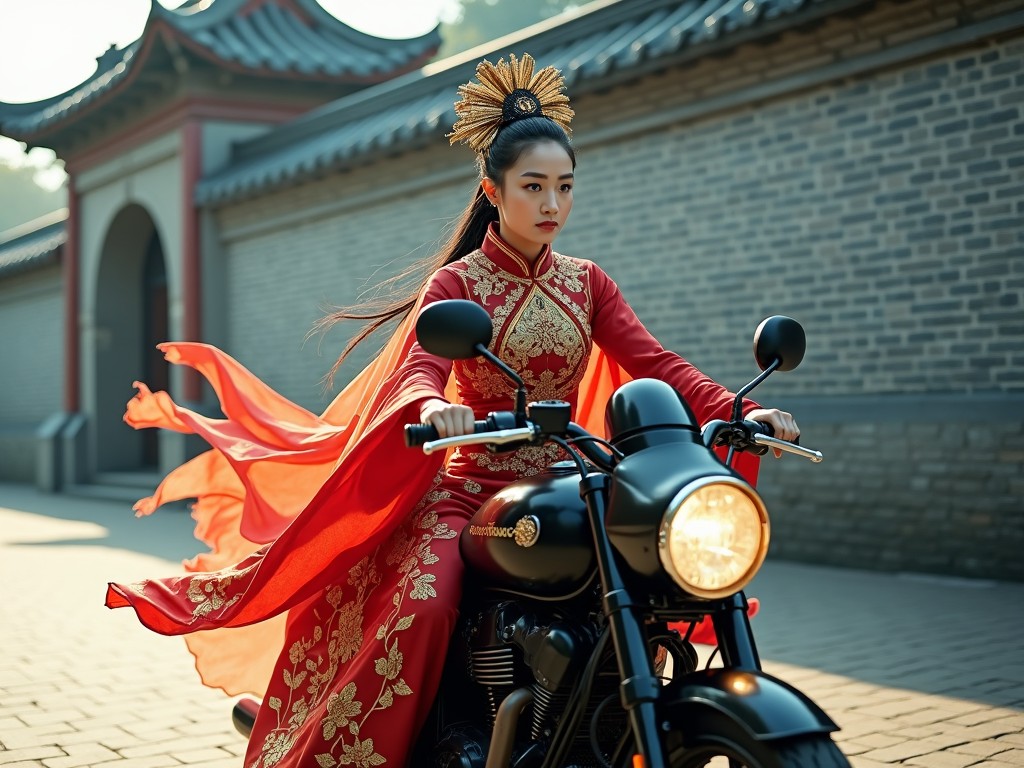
532, 536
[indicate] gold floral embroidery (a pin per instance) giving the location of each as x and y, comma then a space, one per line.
484, 380
340, 707
360, 754
471, 486
309, 678
526, 461
567, 273
210, 593
275, 747
486, 281
542, 329
553, 320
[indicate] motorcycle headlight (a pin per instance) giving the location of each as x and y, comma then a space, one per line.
714, 537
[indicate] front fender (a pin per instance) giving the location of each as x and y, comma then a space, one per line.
759, 705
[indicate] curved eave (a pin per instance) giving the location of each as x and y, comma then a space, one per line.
18, 121
199, 17
607, 43
278, 40
271, 41
34, 245
420, 121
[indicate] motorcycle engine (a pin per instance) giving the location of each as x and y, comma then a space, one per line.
510, 648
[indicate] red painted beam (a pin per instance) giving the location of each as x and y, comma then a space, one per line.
192, 322
71, 307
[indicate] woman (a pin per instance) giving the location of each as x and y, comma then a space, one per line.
368, 572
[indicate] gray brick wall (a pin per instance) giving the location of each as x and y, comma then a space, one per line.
865, 176
280, 281
935, 497
31, 365
884, 213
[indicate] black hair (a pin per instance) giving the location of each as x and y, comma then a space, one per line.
508, 146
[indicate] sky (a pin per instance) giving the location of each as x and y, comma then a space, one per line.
49, 46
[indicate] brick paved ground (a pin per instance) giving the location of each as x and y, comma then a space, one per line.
917, 671
81, 685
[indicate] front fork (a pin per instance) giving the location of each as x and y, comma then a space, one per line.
735, 638
639, 689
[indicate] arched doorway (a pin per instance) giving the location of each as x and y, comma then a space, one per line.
155, 328
131, 318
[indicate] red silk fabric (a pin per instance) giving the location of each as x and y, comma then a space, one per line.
286, 498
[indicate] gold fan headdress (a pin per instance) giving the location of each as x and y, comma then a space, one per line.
507, 92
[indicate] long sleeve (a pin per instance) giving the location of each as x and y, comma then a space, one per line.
368, 467
619, 332
423, 375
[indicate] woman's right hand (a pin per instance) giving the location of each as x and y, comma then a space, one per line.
448, 419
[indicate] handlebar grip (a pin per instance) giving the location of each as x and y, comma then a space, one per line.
768, 431
418, 434
756, 428
761, 428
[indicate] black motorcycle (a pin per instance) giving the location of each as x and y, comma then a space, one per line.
565, 652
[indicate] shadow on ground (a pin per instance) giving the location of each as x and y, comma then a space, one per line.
166, 534
950, 637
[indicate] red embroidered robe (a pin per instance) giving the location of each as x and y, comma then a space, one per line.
328, 606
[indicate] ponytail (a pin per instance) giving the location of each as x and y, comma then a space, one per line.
397, 302
509, 144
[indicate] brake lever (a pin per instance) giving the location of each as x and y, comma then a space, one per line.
498, 437
782, 445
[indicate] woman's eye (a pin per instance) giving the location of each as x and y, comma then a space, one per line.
567, 187
534, 187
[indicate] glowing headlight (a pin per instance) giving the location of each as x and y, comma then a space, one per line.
714, 537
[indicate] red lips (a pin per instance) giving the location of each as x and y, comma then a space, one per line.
548, 225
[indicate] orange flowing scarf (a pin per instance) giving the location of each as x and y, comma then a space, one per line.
269, 458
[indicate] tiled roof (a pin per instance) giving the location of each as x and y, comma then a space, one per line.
32, 245
294, 39
22, 119
295, 36
602, 41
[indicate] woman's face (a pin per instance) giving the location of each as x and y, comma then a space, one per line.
535, 198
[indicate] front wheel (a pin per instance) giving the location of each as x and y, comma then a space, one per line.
811, 751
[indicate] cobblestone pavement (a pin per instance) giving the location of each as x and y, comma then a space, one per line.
918, 671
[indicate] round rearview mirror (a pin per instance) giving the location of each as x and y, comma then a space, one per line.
453, 328
779, 338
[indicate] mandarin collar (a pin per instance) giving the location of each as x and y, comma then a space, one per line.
509, 259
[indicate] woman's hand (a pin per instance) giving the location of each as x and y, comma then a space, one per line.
449, 420
783, 423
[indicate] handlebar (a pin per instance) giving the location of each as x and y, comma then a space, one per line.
496, 437
782, 445
764, 436
420, 434
753, 436
504, 427
496, 421
501, 427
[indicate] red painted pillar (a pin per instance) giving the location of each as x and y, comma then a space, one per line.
192, 326
71, 305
